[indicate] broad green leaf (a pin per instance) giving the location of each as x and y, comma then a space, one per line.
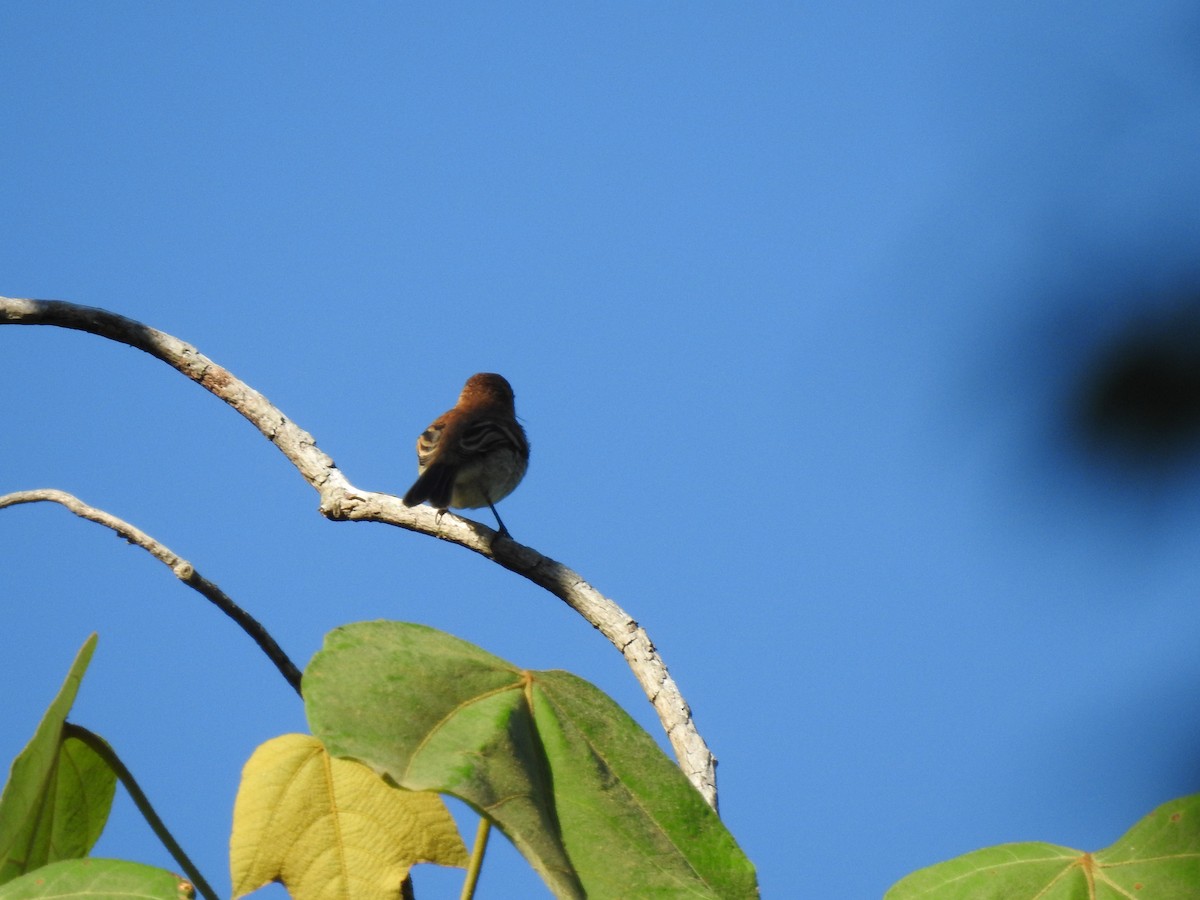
1158, 858
584, 793
331, 827
84, 793
620, 798
98, 879
58, 793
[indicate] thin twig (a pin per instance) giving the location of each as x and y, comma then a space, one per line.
341, 501
183, 570
105, 751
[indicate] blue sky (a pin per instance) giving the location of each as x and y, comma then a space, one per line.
794, 300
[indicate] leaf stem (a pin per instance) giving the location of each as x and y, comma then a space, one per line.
476, 863
106, 752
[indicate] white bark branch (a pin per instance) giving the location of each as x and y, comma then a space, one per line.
341, 501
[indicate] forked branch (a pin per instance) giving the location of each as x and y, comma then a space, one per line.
341, 501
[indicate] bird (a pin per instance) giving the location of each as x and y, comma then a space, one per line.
474, 455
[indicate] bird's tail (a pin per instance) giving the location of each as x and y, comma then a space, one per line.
435, 484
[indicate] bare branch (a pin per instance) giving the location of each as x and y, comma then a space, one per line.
342, 501
183, 570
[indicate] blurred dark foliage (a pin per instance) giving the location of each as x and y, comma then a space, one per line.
1139, 397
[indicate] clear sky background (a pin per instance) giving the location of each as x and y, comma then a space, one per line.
795, 299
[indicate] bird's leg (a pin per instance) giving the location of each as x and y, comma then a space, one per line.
503, 528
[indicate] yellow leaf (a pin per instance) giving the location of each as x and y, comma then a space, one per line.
328, 827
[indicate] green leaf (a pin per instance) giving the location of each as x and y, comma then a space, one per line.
1158, 858
98, 879
58, 793
582, 790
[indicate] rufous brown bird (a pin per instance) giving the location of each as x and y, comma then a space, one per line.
475, 454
